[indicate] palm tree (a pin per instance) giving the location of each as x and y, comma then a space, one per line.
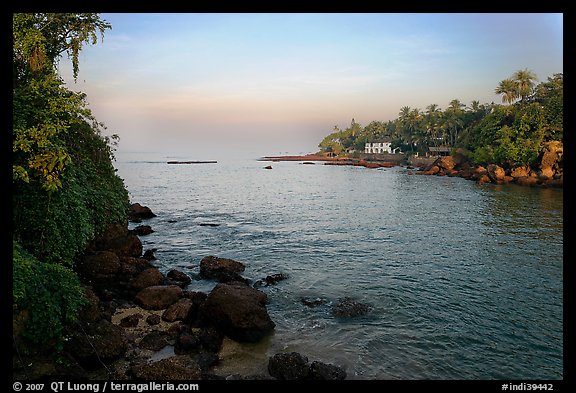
456, 106
525, 80
509, 90
432, 124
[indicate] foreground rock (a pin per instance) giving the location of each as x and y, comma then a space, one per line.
294, 366
239, 311
139, 324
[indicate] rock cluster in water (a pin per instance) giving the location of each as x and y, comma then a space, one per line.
142, 324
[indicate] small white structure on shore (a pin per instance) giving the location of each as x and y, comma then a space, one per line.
378, 147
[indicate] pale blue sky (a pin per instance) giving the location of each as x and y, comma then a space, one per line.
205, 85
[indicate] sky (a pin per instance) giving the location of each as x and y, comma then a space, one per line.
212, 85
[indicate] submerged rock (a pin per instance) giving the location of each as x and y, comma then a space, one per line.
325, 372
288, 366
348, 307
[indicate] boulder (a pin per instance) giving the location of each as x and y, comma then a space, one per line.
288, 366
118, 239
521, 171
138, 212
326, 372
147, 278
96, 343
445, 162
155, 340
238, 311
496, 173
100, 265
179, 277
158, 297
551, 158
221, 269
178, 310
143, 230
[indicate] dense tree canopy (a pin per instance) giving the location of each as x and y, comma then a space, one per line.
490, 133
65, 188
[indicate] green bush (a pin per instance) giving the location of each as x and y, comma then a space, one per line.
51, 293
56, 226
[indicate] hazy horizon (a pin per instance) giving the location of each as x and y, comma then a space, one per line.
205, 86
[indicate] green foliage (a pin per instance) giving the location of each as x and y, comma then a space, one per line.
55, 226
332, 143
550, 95
51, 293
491, 133
43, 109
65, 188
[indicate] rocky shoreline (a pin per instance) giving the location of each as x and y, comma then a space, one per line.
548, 173
140, 324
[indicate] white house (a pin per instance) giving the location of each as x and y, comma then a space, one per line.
378, 147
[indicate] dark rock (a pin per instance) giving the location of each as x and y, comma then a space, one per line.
119, 240
347, 308
155, 340
130, 320
198, 298
211, 339
178, 310
175, 368
143, 230
179, 276
96, 343
271, 279
100, 265
149, 254
158, 297
187, 341
315, 302
268, 167
288, 366
137, 211
153, 319
221, 269
133, 266
206, 360
238, 311
208, 224
326, 372
147, 278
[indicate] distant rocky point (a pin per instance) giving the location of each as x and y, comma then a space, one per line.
192, 162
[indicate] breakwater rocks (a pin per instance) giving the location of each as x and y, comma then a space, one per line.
546, 172
141, 324
549, 172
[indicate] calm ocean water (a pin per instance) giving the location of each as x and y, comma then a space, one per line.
464, 281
